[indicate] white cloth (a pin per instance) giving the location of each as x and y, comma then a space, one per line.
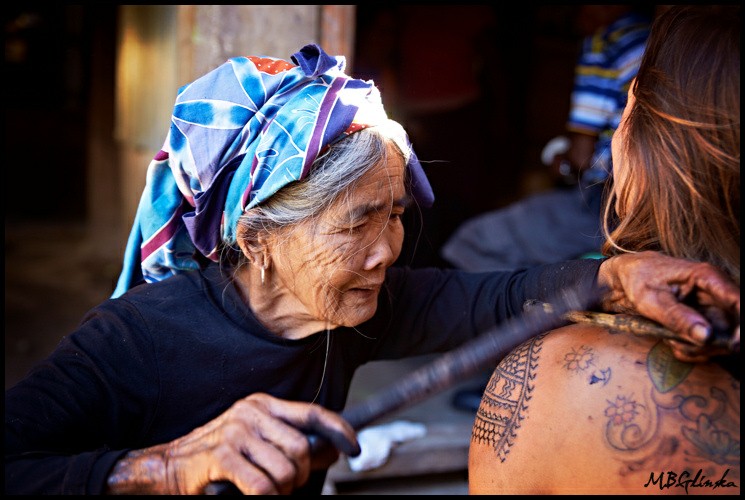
376, 442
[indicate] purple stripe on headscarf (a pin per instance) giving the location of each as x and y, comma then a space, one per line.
227, 151
164, 235
330, 102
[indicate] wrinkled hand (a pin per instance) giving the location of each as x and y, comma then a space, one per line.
663, 289
256, 444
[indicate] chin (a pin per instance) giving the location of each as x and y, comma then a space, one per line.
357, 315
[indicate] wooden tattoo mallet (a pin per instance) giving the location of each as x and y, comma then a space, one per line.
447, 370
483, 352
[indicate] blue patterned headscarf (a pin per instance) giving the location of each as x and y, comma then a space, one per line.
238, 135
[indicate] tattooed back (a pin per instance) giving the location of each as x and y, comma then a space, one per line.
585, 410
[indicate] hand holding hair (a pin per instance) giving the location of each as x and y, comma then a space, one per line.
690, 299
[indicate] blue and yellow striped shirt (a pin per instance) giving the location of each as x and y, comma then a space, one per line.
609, 61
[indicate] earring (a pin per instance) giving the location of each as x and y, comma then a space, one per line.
262, 276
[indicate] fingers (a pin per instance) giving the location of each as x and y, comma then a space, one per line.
715, 288
317, 420
694, 300
717, 299
261, 471
258, 445
268, 466
282, 445
277, 446
229, 448
688, 323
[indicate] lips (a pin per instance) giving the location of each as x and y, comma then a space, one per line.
365, 289
371, 287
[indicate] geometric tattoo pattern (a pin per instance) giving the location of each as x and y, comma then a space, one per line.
506, 398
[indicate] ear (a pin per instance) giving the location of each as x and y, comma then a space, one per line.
253, 247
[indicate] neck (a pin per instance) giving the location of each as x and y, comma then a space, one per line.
276, 307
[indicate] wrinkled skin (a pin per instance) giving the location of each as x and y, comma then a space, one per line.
329, 274
319, 275
256, 445
654, 285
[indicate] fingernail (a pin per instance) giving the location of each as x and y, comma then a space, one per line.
700, 332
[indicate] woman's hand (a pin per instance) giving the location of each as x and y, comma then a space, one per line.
256, 444
689, 298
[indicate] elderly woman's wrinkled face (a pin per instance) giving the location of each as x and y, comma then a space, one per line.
335, 266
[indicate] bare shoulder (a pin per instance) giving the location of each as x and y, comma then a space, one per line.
583, 409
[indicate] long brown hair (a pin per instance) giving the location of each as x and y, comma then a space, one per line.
682, 142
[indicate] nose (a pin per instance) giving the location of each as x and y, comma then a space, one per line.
384, 251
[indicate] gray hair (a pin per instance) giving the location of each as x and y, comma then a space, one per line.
332, 176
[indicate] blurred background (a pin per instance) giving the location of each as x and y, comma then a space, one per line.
89, 89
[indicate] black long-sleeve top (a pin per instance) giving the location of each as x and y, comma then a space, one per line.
165, 358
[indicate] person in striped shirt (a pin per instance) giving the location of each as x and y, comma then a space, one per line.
564, 223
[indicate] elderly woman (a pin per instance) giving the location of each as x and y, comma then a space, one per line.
593, 410
266, 238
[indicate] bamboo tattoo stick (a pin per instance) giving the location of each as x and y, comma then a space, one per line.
450, 368
636, 325
482, 352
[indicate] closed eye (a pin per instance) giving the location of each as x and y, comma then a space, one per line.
396, 216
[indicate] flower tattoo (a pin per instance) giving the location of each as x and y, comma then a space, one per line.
579, 360
622, 411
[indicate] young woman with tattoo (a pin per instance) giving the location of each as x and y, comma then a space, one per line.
587, 409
